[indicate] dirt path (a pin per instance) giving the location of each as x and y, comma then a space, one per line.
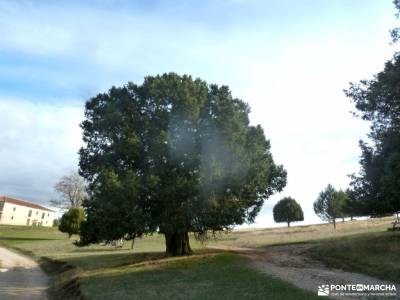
20, 277
289, 263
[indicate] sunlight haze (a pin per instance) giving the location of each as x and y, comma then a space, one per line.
289, 60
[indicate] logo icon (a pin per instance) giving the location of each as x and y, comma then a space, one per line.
323, 290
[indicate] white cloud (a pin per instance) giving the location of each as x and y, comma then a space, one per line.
38, 144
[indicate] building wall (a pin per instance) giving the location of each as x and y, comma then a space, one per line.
14, 214
1, 209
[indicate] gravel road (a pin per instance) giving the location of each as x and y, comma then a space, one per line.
20, 277
289, 263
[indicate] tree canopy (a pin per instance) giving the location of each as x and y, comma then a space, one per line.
378, 101
330, 204
72, 191
395, 32
71, 221
288, 210
353, 206
173, 155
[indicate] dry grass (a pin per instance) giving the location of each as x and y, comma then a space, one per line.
375, 254
298, 234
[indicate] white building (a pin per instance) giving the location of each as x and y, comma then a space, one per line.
19, 212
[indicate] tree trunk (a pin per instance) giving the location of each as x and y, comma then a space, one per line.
177, 244
133, 237
342, 219
288, 224
351, 218
334, 223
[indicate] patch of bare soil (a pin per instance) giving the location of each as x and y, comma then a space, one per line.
291, 264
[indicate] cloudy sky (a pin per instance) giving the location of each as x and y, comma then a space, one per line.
290, 60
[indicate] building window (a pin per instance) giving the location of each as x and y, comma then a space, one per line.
43, 214
12, 218
14, 208
30, 213
37, 212
48, 215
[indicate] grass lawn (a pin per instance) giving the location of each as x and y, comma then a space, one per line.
102, 272
211, 276
376, 254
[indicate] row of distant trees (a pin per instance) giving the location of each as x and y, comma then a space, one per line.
329, 206
332, 204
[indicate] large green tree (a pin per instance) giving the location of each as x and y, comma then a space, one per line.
287, 210
173, 155
353, 207
330, 204
378, 101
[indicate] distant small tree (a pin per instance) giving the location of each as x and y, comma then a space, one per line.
56, 222
288, 210
72, 191
353, 206
71, 221
341, 200
329, 205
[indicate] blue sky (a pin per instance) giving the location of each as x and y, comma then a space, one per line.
290, 60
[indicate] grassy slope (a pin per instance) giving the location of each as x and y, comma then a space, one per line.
359, 246
215, 276
109, 273
299, 234
376, 254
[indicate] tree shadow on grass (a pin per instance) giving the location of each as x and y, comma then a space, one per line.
25, 239
101, 249
92, 261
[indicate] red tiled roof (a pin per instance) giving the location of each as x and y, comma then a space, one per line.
23, 203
